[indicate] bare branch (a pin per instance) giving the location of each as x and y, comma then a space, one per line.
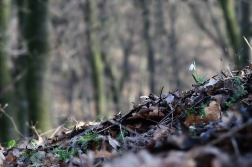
2, 109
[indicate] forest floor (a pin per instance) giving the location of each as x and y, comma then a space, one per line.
207, 126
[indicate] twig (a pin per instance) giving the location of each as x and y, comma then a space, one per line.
247, 43
160, 98
223, 74
172, 109
124, 127
122, 133
11, 119
36, 132
230, 72
57, 129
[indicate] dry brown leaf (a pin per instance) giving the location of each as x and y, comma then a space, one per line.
146, 110
138, 125
213, 111
159, 132
156, 114
192, 119
130, 127
113, 133
178, 110
9, 159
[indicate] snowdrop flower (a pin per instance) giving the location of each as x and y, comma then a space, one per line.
192, 128
192, 67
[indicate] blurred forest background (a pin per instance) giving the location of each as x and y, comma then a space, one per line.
66, 61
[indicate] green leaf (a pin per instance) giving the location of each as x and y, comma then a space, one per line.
195, 78
11, 143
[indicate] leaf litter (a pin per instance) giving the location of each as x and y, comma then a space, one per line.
209, 125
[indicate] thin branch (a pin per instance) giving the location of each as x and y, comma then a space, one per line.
2, 109
247, 42
200, 22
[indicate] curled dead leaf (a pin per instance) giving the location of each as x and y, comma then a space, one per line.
192, 119
213, 111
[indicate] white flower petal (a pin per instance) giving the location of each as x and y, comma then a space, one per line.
192, 67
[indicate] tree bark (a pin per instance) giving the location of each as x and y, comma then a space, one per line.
95, 59
6, 127
148, 44
172, 37
20, 63
245, 29
233, 31
38, 75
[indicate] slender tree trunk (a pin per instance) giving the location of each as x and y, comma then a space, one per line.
104, 40
148, 44
245, 29
6, 127
126, 53
21, 67
216, 22
95, 60
233, 30
159, 19
38, 75
117, 82
172, 38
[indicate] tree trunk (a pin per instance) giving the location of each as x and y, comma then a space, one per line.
172, 38
245, 29
6, 127
94, 56
38, 75
104, 40
233, 31
148, 44
212, 7
21, 68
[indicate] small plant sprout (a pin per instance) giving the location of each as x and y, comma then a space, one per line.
199, 80
100, 117
202, 112
65, 154
11, 143
239, 91
89, 137
121, 135
190, 111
